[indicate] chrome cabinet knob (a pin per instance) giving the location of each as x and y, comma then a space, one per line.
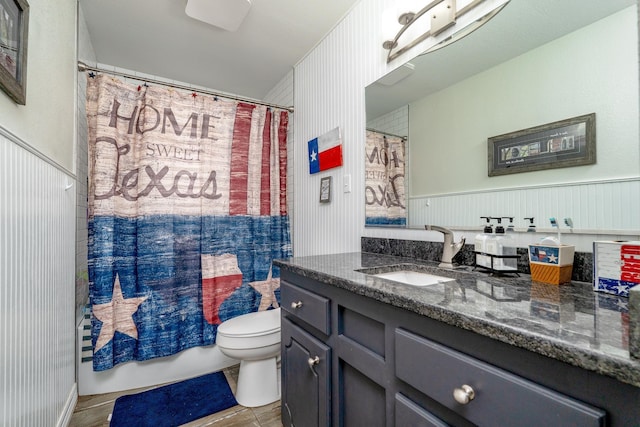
464, 394
313, 361
296, 304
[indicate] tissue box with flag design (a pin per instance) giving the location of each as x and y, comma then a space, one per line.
551, 264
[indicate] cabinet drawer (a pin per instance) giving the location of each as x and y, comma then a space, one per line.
501, 398
306, 306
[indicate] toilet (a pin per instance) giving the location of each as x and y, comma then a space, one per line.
254, 339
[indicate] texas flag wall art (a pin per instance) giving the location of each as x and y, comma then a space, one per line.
325, 151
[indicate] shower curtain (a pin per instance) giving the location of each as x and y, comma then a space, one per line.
187, 210
385, 197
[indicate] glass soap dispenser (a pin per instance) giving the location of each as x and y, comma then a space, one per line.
481, 246
507, 259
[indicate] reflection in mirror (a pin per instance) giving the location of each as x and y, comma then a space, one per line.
533, 64
385, 196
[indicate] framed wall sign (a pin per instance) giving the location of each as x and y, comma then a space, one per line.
325, 190
566, 143
14, 32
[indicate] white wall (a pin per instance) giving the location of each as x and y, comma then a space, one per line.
37, 222
46, 121
329, 91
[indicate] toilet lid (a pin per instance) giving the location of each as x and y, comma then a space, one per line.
252, 324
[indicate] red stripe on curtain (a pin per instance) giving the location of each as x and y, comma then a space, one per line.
240, 160
265, 175
282, 154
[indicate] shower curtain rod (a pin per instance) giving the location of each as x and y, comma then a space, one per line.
386, 133
82, 67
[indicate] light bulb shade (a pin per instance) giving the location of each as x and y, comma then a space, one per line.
467, 23
441, 22
225, 14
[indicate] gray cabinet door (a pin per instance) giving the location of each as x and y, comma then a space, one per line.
306, 387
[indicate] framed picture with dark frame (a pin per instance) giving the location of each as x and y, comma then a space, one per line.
325, 189
14, 32
561, 144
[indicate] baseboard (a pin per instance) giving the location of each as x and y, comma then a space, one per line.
70, 405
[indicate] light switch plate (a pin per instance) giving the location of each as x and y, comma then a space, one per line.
346, 183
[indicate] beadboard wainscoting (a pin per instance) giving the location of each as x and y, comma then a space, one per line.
593, 207
37, 225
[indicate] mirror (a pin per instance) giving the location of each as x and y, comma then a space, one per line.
535, 63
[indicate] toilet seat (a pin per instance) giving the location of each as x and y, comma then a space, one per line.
251, 325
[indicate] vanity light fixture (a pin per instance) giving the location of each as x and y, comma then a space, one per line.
439, 23
225, 14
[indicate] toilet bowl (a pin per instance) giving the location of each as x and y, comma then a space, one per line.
254, 339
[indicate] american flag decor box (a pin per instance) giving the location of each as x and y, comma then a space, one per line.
616, 266
551, 264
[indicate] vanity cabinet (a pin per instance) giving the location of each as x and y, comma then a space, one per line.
306, 359
349, 360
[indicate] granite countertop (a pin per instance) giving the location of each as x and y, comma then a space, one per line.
571, 322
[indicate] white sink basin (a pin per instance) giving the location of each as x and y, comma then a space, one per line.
414, 278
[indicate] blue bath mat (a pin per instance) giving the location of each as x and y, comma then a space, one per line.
174, 404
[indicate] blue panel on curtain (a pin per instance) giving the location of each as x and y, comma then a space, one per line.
187, 210
383, 220
160, 257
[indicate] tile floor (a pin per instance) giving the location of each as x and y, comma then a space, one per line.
94, 410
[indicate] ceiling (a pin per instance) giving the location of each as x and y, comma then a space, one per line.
158, 38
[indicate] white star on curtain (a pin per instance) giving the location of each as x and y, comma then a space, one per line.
116, 315
266, 288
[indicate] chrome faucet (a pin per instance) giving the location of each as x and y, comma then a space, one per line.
450, 249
